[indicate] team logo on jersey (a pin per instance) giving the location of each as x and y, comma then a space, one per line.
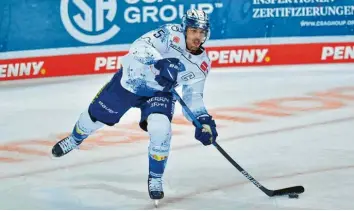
89, 21
204, 66
176, 39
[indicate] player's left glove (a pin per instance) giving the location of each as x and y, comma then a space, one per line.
207, 135
169, 68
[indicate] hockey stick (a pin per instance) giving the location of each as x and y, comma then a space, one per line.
278, 192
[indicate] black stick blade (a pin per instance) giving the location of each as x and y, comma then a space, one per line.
286, 191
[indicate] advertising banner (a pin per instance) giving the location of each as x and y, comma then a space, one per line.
230, 56
46, 38
43, 24
42, 67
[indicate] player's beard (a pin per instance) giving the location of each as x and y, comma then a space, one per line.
196, 44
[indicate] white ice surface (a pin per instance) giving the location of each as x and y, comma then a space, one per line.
311, 148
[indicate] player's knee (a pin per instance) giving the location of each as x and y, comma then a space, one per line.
159, 128
85, 126
158, 125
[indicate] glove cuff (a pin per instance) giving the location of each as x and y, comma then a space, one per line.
205, 119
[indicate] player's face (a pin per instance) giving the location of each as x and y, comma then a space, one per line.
195, 38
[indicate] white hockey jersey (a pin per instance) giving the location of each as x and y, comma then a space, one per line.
167, 41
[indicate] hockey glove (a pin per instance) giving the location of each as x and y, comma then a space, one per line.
207, 135
169, 68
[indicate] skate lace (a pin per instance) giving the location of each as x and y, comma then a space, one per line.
155, 184
67, 144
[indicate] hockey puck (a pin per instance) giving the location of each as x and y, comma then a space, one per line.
293, 196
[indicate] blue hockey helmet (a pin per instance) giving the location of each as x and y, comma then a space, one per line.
196, 19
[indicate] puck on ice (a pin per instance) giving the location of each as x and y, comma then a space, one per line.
293, 196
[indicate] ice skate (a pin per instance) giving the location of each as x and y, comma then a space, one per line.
155, 189
64, 146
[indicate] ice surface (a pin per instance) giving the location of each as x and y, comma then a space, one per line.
306, 140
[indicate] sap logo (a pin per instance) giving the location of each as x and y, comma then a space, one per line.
91, 22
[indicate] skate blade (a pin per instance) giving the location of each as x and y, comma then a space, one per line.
156, 203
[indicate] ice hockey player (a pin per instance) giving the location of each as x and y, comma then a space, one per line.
158, 61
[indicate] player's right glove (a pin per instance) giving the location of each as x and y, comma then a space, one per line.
169, 68
207, 135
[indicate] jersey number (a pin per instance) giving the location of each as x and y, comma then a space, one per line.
159, 33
